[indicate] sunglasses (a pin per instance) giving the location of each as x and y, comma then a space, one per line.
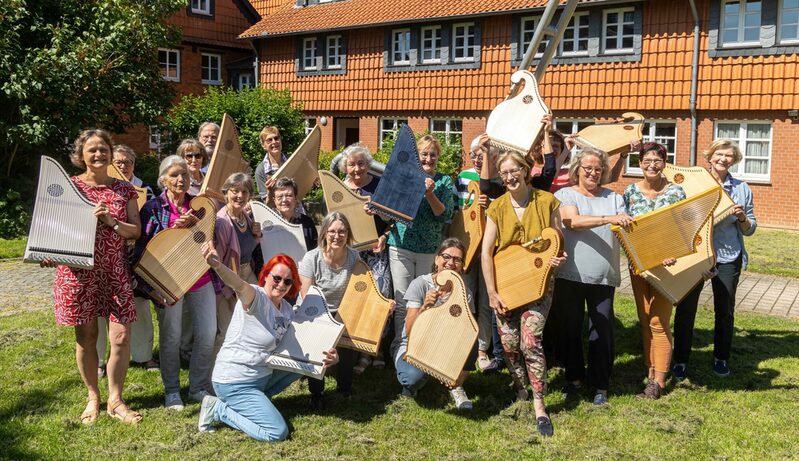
277, 279
193, 155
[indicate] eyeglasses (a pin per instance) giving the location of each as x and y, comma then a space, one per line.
656, 162
510, 173
271, 140
121, 163
589, 170
475, 155
282, 197
449, 257
277, 279
335, 232
192, 155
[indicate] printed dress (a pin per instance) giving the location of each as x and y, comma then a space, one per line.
82, 295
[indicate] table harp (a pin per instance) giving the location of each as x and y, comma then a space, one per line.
401, 188
226, 160
339, 197
515, 123
364, 312
63, 227
172, 261
523, 272
613, 137
141, 192
468, 225
312, 331
303, 164
695, 180
278, 235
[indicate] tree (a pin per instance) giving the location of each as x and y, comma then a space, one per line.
66, 65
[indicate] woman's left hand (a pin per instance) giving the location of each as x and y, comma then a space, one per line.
187, 219
669, 262
256, 230
380, 245
429, 185
740, 214
101, 212
331, 358
707, 275
558, 261
391, 306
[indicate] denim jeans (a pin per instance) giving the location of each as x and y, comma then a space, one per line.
247, 406
201, 305
485, 315
405, 266
408, 375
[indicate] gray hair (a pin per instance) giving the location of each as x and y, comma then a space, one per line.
354, 149
576, 163
194, 144
205, 124
327, 222
241, 181
125, 150
168, 163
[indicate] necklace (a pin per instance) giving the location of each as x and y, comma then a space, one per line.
241, 222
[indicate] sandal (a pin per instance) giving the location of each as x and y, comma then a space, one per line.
119, 410
363, 364
91, 413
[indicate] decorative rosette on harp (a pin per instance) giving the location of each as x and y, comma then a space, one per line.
516, 122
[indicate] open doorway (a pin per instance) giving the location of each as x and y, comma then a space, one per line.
346, 131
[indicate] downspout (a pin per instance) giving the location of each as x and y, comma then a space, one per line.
256, 64
694, 82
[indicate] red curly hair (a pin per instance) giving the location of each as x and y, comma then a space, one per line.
288, 262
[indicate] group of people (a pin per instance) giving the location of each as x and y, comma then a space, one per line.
236, 313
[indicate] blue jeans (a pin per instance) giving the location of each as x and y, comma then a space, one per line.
408, 375
247, 406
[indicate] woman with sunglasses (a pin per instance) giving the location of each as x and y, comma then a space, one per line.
329, 267
517, 217
193, 152
654, 310
423, 293
244, 384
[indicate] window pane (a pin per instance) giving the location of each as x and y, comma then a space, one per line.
755, 166
440, 125
731, 7
756, 149
728, 130
758, 131
665, 130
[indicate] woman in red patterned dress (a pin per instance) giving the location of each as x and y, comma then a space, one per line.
81, 296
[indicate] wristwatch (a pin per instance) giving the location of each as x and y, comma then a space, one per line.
115, 226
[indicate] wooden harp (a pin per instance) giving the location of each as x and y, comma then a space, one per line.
442, 336
668, 232
278, 235
523, 272
63, 227
339, 197
515, 123
141, 192
695, 180
303, 163
401, 188
613, 137
226, 160
312, 332
364, 311
468, 225
172, 261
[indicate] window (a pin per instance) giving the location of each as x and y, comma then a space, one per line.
754, 139
575, 37
310, 124
211, 73
309, 53
401, 46
450, 128
618, 30
155, 138
789, 21
334, 52
201, 7
431, 44
245, 81
389, 127
740, 22
463, 42
663, 132
527, 31
169, 62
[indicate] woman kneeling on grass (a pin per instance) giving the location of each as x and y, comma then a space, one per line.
244, 384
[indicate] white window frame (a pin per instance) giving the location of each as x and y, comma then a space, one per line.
334, 52
740, 27
619, 38
155, 137
448, 128
211, 68
383, 132
310, 124
309, 53
169, 64
575, 127
780, 24
245, 80
431, 45
577, 37
202, 7
524, 43
649, 136
401, 45
739, 169
467, 37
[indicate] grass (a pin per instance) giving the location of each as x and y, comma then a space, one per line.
773, 251
750, 415
13, 248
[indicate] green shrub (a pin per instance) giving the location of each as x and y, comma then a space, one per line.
14, 216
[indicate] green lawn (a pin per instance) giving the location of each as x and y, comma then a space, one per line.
750, 415
13, 248
773, 251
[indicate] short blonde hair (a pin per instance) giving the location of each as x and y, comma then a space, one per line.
724, 144
428, 140
192, 144
516, 158
604, 178
267, 131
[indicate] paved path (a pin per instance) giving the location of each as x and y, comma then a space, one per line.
25, 287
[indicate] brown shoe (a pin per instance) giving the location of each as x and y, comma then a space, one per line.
652, 391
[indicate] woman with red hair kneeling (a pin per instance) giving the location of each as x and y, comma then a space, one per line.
244, 384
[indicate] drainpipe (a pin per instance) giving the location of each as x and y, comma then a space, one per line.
256, 64
694, 82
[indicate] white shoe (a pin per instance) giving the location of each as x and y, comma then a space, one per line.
198, 396
207, 414
173, 401
462, 401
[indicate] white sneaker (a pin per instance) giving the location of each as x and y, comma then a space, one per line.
198, 396
173, 401
207, 414
462, 402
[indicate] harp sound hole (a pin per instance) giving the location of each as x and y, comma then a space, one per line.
199, 237
473, 215
527, 99
403, 156
267, 226
360, 286
337, 196
628, 127
200, 214
55, 190
679, 178
538, 263
455, 310
312, 310
229, 144
697, 240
